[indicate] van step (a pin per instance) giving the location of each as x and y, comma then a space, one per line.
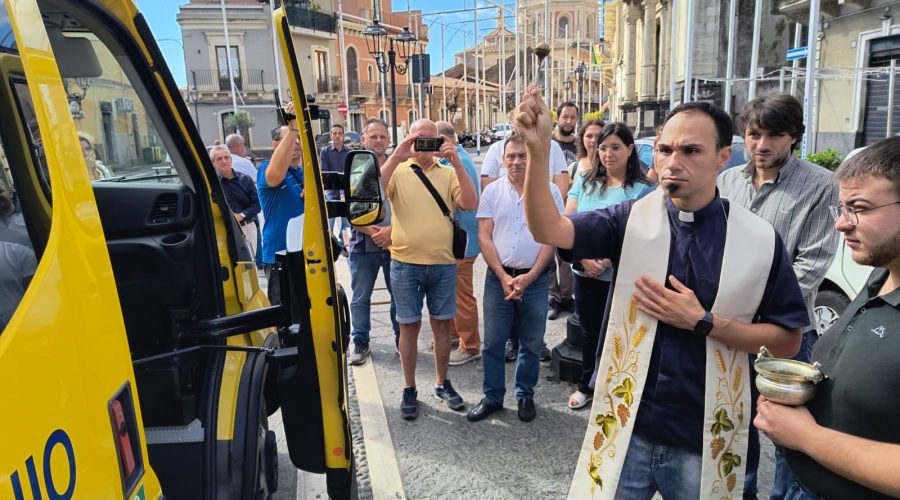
191, 433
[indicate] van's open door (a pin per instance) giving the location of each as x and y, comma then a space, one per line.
314, 401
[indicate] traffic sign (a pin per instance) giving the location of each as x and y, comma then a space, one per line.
798, 53
342, 109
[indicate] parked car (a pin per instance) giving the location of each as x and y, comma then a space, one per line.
739, 155
502, 131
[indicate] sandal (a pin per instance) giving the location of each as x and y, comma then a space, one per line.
579, 400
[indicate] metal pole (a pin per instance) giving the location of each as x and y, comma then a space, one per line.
798, 28
754, 50
808, 103
228, 58
729, 66
518, 56
547, 88
689, 52
465, 84
566, 64
277, 58
392, 66
502, 73
345, 67
892, 80
673, 14
444, 77
781, 79
477, 104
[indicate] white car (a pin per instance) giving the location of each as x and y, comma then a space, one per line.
843, 281
502, 131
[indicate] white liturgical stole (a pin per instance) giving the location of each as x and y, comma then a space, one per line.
624, 362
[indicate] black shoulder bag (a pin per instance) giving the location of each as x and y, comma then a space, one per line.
460, 238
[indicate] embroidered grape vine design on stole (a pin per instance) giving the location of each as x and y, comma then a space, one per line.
618, 386
729, 390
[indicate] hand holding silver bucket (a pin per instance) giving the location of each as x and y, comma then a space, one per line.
786, 381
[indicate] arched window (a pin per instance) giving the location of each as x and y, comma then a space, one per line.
563, 27
352, 71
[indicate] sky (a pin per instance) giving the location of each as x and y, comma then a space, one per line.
160, 15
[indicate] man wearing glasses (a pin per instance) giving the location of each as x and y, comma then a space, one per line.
794, 196
845, 442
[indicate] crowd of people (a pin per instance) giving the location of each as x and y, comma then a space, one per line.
570, 219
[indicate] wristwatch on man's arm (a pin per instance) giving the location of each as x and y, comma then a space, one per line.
704, 325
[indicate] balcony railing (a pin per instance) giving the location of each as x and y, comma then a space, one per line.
328, 85
299, 17
210, 80
358, 88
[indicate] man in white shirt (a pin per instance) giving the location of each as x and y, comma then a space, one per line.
515, 286
239, 162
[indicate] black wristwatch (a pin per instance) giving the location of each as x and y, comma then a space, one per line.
705, 325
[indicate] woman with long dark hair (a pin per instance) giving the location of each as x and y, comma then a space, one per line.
615, 175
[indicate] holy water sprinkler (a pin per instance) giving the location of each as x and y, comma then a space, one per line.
541, 51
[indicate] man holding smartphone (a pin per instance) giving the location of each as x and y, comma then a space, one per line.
422, 260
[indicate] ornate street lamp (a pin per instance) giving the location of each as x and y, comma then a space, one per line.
579, 75
567, 85
376, 39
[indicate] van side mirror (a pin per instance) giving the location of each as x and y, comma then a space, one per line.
362, 185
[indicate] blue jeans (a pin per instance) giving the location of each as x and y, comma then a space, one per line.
411, 283
798, 492
784, 478
530, 318
363, 273
673, 472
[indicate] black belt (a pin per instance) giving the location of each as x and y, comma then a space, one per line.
515, 272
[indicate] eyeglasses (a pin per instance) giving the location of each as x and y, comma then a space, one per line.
851, 214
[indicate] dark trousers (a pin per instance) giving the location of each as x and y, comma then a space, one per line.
273, 290
590, 302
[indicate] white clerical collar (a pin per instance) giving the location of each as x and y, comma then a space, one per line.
685, 216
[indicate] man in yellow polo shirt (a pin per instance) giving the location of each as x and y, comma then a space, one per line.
422, 261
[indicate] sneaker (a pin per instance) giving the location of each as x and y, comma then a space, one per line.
569, 305
409, 405
359, 354
554, 310
449, 394
461, 357
545, 352
511, 351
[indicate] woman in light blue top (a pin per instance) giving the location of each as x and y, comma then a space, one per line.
615, 175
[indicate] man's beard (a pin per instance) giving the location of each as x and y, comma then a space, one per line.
777, 162
671, 188
882, 254
566, 133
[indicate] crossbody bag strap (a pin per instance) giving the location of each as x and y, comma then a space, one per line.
443, 206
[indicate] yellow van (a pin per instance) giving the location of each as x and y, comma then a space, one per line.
138, 356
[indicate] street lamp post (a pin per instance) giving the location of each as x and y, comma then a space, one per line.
376, 37
567, 85
579, 75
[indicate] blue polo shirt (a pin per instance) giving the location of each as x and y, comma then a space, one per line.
671, 412
279, 205
466, 218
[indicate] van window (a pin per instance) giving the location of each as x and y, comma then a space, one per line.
17, 258
118, 139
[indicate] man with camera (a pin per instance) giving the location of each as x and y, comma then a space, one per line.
422, 258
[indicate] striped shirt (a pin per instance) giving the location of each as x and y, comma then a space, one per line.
796, 204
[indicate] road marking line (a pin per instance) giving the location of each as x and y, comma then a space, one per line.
384, 472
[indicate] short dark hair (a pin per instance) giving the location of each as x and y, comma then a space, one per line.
373, 121
723, 122
338, 125
564, 105
514, 138
276, 132
580, 150
881, 159
598, 174
777, 113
